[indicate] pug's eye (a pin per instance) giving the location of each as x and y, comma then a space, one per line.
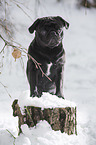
43, 32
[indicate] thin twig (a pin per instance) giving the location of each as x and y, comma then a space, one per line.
5, 25
2, 38
3, 48
28, 113
22, 10
21, 4
6, 89
11, 135
22, 63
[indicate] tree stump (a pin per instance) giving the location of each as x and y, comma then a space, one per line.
63, 119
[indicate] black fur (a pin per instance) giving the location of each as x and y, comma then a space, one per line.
47, 48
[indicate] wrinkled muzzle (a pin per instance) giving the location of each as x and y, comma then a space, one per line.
51, 39
54, 39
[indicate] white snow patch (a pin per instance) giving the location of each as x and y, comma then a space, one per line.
42, 134
48, 68
45, 101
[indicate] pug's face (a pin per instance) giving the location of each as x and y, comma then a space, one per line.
49, 31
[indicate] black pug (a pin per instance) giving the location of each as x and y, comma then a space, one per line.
47, 49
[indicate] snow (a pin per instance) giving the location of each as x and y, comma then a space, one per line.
79, 75
42, 134
45, 101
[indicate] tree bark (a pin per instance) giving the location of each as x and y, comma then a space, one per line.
63, 119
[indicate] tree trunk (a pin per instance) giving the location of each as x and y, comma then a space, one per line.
63, 119
88, 4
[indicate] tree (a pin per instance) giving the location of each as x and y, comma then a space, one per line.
88, 3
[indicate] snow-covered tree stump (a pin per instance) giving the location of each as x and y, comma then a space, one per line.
60, 118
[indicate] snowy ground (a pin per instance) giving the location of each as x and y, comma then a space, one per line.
80, 74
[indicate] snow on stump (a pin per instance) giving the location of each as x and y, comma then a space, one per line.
59, 113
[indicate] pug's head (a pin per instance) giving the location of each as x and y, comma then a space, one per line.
49, 30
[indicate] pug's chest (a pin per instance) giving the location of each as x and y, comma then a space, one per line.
49, 68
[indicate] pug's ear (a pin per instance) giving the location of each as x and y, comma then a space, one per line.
33, 26
65, 23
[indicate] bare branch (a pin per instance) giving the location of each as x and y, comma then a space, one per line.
37, 64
